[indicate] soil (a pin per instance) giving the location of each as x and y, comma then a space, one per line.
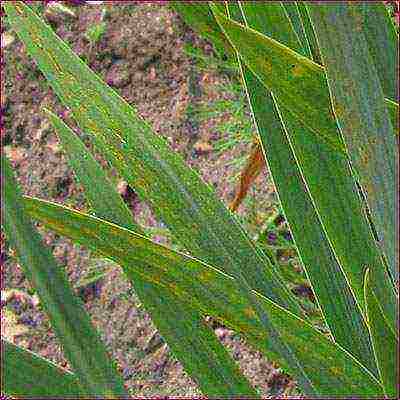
141, 54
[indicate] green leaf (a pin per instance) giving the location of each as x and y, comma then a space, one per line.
358, 101
188, 207
193, 343
80, 342
331, 369
339, 200
273, 17
383, 41
200, 18
329, 276
385, 340
25, 373
298, 83
101, 195
293, 12
311, 38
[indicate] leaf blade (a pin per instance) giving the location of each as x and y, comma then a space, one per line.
23, 372
358, 101
286, 143
194, 344
86, 352
383, 338
194, 214
214, 293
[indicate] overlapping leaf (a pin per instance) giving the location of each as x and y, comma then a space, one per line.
25, 373
358, 100
385, 339
320, 164
330, 284
298, 83
188, 207
193, 343
80, 342
331, 369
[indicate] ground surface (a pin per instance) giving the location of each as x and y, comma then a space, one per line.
141, 54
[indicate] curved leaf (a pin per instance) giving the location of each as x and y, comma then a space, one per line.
332, 370
24, 373
193, 343
81, 344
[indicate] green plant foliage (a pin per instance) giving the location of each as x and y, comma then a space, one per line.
23, 372
384, 337
87, 355
358, 100
193, 343
96, 32
330, 368
308, 142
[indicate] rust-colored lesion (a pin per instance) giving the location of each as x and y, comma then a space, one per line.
255, 164
18, 8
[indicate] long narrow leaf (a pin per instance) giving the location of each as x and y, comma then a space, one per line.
309, 30
293, 12
332, 370
81, 344
358, 101
193, 343
298, 83
24, 373
177, 195
384, 339
200, 18
272, 16
330, 284
188, 207
383, 41
335, 194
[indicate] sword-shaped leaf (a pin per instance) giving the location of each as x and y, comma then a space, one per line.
192, 342
358, 102
328, 277
328, 178
24, 373
332, 370
298, 83
385, 340
293, 11
80, 342
177, 195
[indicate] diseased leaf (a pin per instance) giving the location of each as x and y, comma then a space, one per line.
86, 353
252, 169
299, 188
193, 343
332, 371
298, 83
358, 101
385, 340
187, 206
24, 373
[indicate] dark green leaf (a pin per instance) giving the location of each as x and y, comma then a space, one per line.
293, 12
24, 373
384, 339
81, 344
193, 343
358, 101
287, 144
332, 370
